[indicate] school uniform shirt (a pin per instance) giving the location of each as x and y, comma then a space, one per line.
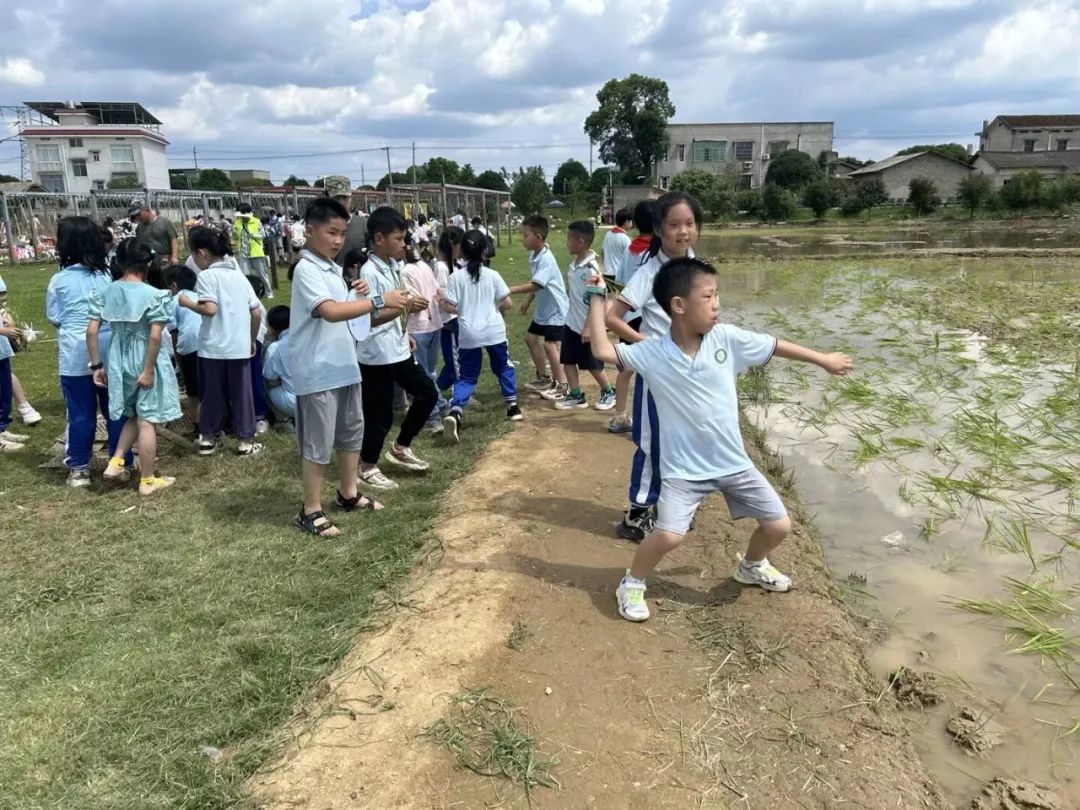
226, 335
696, 399
278, 362
260, 336
480, 323
189, 262
616, 244
421, 278
385, 344
188, 325
67, 307
577, 279
328, 349
5, 344
442, 278
635, 252
638, 295
551, 300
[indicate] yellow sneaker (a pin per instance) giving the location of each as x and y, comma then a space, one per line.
148, 486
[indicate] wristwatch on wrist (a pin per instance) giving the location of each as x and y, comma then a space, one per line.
377, 301
95, 366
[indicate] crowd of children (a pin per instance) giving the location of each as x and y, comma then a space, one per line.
360, 333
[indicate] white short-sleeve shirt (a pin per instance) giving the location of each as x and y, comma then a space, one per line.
577, 279
696, 399
616, 246
386, 343
480, 323
328, 350
638, 295
225, 335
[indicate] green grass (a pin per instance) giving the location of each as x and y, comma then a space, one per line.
136, 631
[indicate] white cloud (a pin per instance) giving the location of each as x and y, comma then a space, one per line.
20, 70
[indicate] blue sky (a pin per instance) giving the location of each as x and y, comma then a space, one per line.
497, 83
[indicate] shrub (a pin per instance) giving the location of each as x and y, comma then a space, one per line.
777, 203
923, 196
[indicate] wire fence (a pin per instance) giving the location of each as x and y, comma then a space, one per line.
28, 220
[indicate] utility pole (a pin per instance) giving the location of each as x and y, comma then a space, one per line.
389, 178
363, 180
590, 157
195, 154
414, 163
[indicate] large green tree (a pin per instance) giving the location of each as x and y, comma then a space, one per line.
529, 189
571, 171
793, 170
1024, 190
439, 170
400, 179
973, 191
956, 151
872, 193
777, 202
293, 180
630, 125
491, 179
923, 196
7, 178
214, 180
819, 198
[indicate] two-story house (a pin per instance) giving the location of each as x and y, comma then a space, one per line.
1048, 144
79, 146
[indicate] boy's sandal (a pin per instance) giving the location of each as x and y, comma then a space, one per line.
358, 501
307, 523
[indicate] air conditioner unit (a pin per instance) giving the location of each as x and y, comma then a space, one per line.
748, 164
766, 157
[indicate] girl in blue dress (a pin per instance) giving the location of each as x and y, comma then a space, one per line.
140, 380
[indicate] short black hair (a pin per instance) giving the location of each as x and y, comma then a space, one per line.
322, 210
278, 318
583, 228
624, 215
258, 285
79, 241
477, 221
538, 225
645, 217
203, 237
384, 220
244, 208
676, 279
181, 275
133, 254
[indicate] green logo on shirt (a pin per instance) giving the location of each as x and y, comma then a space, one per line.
721, 356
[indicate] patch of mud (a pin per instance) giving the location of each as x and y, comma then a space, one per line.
916, 689
975, 732
1012, 794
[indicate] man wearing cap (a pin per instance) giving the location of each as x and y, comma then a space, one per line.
338, 187
156, 232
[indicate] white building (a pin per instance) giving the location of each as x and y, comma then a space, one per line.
81, 146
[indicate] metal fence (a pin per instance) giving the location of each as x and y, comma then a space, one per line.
28, 220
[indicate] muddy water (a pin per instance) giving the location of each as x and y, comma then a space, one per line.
884, 240
922, 383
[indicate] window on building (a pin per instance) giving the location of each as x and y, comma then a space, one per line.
746, 182
681, 150
710, 151
1062, 144
122, 153
95, 155
78, 167
665, 182
776, 147
48, 158
75, 143
744, 150
99, 185
118, 175
52, 182
1029, 145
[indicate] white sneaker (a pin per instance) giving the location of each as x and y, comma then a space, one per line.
28, 415
10, 447
248, 448
557, 392
606, 401
406, 459
450, 427
15, 438
539, 384
206, 445
762, 574
261, 426
374, 479
78, 478
631, 599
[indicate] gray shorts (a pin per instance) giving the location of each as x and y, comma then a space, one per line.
329, 420
748, 494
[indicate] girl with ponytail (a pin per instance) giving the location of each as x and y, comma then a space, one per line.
231, 318
478, 296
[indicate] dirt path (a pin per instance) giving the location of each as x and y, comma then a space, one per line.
728, 697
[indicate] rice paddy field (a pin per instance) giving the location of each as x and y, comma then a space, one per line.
944, 476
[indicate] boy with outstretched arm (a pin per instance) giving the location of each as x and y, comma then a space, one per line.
325, 376
691, 372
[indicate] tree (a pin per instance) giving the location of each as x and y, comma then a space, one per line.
570, 170
7, 178
400, 179
1062, 193
1024, 190
749, 200
852, 206
777, 203
923, 196
630, 125
179, 181
793, 170
491, 180
320, 183
973, 191
467, 176
818, 197
872, 193
529, 190
213, 180
439, 170
254, 182
293, 180
955, 151
124, 183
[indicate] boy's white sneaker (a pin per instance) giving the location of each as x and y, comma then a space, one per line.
406, 459
10, 447
557, 392
261, 426
631, 598
14, 438
28, 415
539, 384
762, 574
78, 478
606, 401
451, 424
374, 479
